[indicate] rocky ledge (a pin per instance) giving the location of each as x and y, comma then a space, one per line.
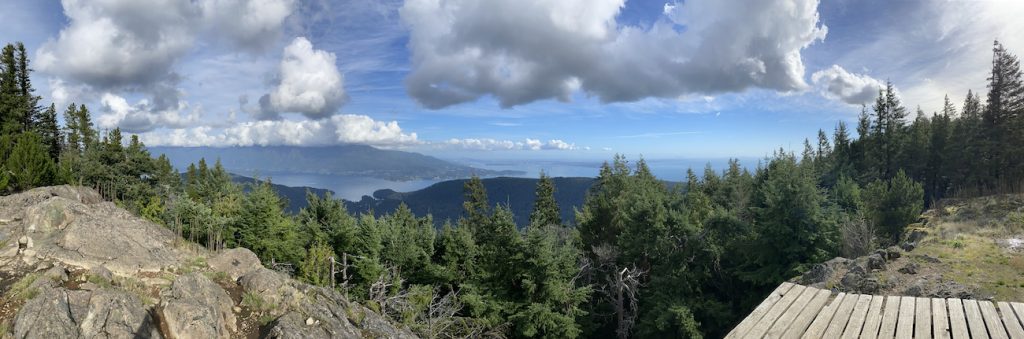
75, 266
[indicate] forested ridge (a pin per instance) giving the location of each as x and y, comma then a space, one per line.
642, 259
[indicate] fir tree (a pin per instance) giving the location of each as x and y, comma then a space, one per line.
545, 208
29, 163
49, 131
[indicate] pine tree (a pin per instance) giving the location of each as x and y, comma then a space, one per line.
1002, 119
29, 163
10, 94
476, 206
545, 208
888, 131
29, 109
792, 231
49, 131
893, 204
915, 153
83, 123
72, 132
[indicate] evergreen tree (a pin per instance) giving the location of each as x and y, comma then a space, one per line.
476, 208
316, 269
29, 109
72, 132
792, 231
48, 129
1002, 119
10, 93
545, 208
327, 219
893, 204
264, 228
916, 154
29, 163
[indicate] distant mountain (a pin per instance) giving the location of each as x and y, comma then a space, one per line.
342, 160
444, 200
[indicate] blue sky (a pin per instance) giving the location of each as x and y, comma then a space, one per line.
518, 79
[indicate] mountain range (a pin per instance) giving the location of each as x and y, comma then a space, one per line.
341, 160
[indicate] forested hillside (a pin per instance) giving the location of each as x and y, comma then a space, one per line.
643, 260
443, 200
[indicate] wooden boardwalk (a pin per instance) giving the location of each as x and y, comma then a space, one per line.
795, 311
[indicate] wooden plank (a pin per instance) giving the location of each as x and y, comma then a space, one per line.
817, 328
957, 319
923, 319
809, 313
759, 311
996, 330
860, 312
775, 312
1010, 320
889, 317
905, 321
874, 318
1018, 308
842, 317
798, 306
974, 322
940, 319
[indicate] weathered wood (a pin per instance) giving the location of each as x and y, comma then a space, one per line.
856, 322
974, 322
996, 330
873, 319
940, 319
799, 306
1018, 308
780, 307
842, 317
817, 328
794, 311
923, 319
957, 319
889, 317
905, 320
759, 311
1010, 320
810, 312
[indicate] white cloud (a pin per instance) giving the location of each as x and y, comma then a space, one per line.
249, 24
934, 48
122, 47
119, 42
339, 129
488, 144
310, 84
527, 50
143, 116
855, 89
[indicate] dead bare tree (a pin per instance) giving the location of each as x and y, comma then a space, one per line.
621, 287
380, 291
440, 314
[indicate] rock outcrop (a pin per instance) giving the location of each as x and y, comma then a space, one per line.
74, 266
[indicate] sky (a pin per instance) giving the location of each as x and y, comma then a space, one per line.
504, 79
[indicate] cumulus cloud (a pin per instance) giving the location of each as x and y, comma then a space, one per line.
851, 88
249, 24
339, 129
310, 83
488, 144
144, 115
128, 46
521, 51
119, 42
